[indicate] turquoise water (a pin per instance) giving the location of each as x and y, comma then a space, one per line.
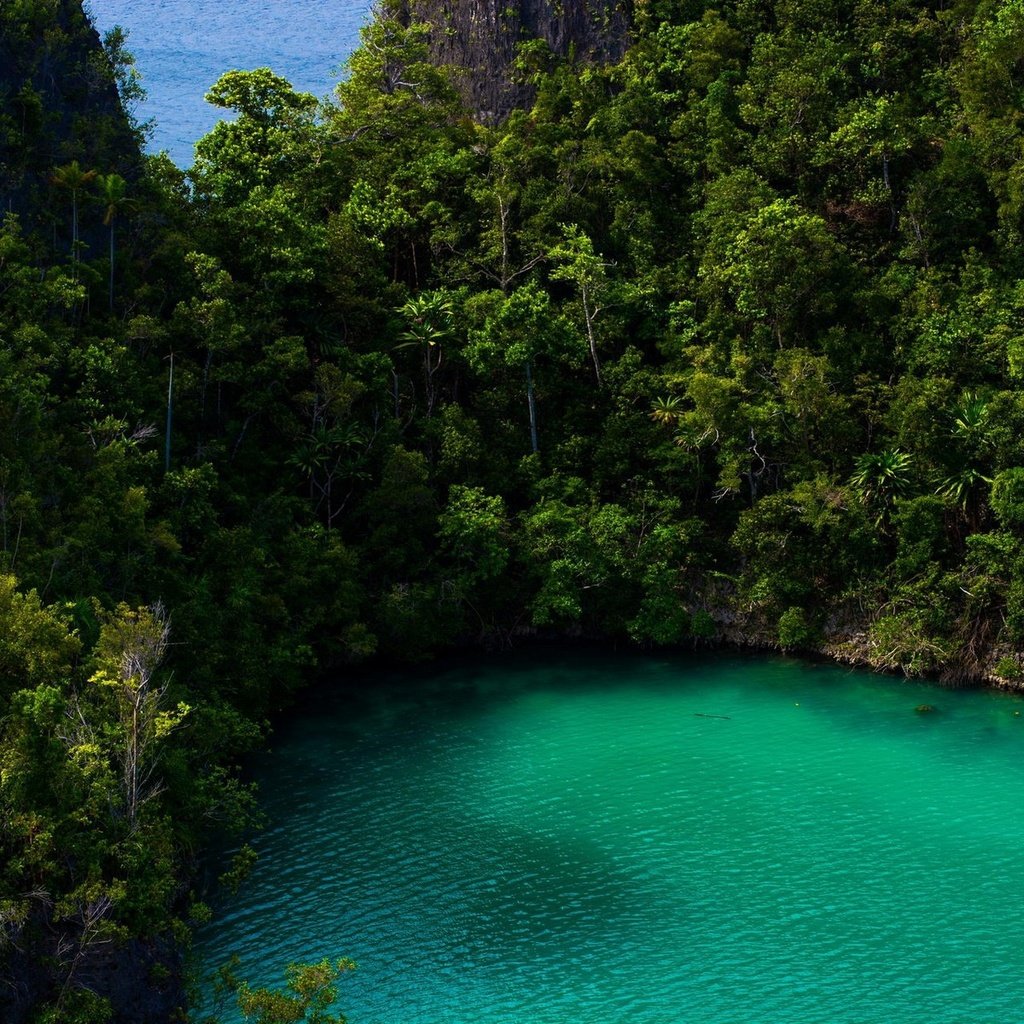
183, 46
574, 840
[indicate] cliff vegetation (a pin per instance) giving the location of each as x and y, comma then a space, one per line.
721, 339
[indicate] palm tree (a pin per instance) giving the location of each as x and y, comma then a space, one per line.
881, 478
113, 189
430, 321
962, 486
971, 435
74, 179
667, 410
970, 417
326, 455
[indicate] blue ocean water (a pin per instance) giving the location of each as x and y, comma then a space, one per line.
659, 840
183, 46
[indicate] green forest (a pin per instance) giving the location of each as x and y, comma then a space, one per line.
721, 343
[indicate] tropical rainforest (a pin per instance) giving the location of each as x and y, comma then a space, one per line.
723, 341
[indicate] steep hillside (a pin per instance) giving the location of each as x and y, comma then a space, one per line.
723, 341
58, 100
481, 37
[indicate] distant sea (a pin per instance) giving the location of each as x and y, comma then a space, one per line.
183, 46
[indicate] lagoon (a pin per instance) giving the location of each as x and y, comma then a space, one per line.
592, 838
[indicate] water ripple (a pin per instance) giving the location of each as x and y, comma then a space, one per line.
568, 843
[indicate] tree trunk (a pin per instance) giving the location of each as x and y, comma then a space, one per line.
110, 296
532, 403
170, 415
589, 316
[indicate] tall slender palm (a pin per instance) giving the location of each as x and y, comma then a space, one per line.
72, 178
114, 199
430, 322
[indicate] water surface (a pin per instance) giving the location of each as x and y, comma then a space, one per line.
183, 46
576, 840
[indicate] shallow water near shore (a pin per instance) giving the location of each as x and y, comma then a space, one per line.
592, 838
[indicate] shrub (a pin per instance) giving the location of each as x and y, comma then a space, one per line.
795, 630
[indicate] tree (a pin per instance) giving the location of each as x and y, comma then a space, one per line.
474, 529
781, 268
114, 199
73, 179
326, 456
971, 446
875, 131
429, 322
37, 645
131, 646
394, 92
517, 330
988, 78
794, 78
265, 144
127, 77
1008, 498
577, 262
310, 994
882, 477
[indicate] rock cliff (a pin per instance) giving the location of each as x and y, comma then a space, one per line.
481, 38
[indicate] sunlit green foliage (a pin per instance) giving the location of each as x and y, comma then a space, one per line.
725, 340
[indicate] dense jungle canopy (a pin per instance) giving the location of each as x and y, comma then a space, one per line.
723, 341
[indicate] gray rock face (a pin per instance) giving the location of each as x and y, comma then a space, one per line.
480, 37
